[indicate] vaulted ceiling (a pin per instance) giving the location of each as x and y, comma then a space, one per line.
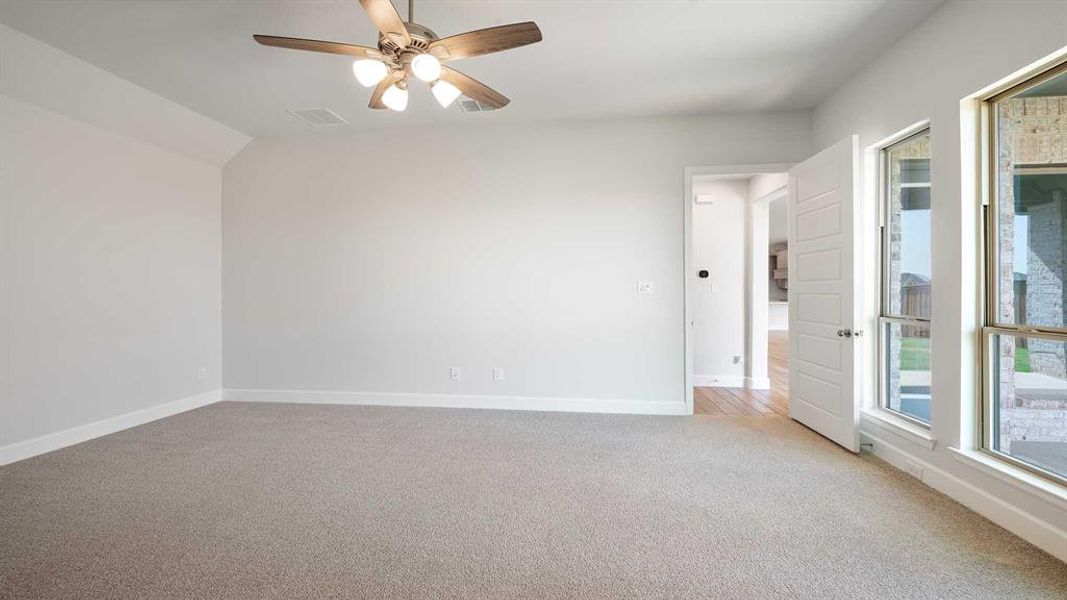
599, 59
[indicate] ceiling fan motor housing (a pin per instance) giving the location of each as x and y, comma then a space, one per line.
421, 38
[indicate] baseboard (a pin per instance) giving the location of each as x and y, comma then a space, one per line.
83, 433
551, 404
758, 383
1038, 532
732, 381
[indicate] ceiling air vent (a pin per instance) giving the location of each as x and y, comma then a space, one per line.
468, 105
318, 117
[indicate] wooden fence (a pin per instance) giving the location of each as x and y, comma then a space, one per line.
915, 301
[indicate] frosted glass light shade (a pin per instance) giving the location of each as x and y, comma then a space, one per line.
395, 98
426, 67
445, 93
369, 72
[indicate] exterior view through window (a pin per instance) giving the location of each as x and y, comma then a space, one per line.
905, 315
1025, 407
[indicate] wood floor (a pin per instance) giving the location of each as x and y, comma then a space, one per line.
723, 401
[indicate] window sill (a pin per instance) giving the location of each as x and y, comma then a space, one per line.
885, 421
1014, 476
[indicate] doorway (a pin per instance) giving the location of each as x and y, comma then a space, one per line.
737, 281
826, 308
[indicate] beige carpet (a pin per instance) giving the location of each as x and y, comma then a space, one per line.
287, 501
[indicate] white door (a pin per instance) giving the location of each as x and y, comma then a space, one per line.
823, 293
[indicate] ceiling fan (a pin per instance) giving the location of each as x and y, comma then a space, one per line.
407, 49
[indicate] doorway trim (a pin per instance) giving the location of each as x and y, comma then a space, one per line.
687, 254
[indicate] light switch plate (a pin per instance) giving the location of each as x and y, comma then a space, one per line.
645, 287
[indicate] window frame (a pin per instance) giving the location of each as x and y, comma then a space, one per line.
885, 318
990, 326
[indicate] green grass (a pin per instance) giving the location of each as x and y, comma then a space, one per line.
915, 356
1022, 360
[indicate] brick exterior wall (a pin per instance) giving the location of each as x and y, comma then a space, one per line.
1044, 285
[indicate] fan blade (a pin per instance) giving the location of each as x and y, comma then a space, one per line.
486, 41
319, 46
384, 16
379, 90
474, 89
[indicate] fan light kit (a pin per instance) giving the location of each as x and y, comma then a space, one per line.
408, 50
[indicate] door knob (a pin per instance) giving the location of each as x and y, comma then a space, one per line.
845, 333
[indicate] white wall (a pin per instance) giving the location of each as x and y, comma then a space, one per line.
779, 221
44, 76
110, 257
373, 262
718, 302
960, 50
763, 184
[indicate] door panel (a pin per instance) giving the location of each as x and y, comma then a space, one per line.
819, 223
823, 293
818, 266
820, 308
820, 392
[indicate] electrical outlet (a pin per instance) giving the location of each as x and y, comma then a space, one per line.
498, 374
455, 373
201, 373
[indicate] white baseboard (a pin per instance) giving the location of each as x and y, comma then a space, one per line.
82, 433
552, 404
758, 383
1038, 532
732, 381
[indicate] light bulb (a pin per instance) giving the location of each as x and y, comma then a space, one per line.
426, 67
369, 72
395, 98
445, 93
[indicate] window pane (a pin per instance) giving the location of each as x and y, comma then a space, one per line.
907, 370
908, 227
1029, 410
1031, 193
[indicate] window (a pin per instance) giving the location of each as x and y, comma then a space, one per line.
904, 324
1024, 413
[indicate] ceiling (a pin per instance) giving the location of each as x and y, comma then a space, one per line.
599, 59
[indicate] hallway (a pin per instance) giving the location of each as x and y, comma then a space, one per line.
722, 401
